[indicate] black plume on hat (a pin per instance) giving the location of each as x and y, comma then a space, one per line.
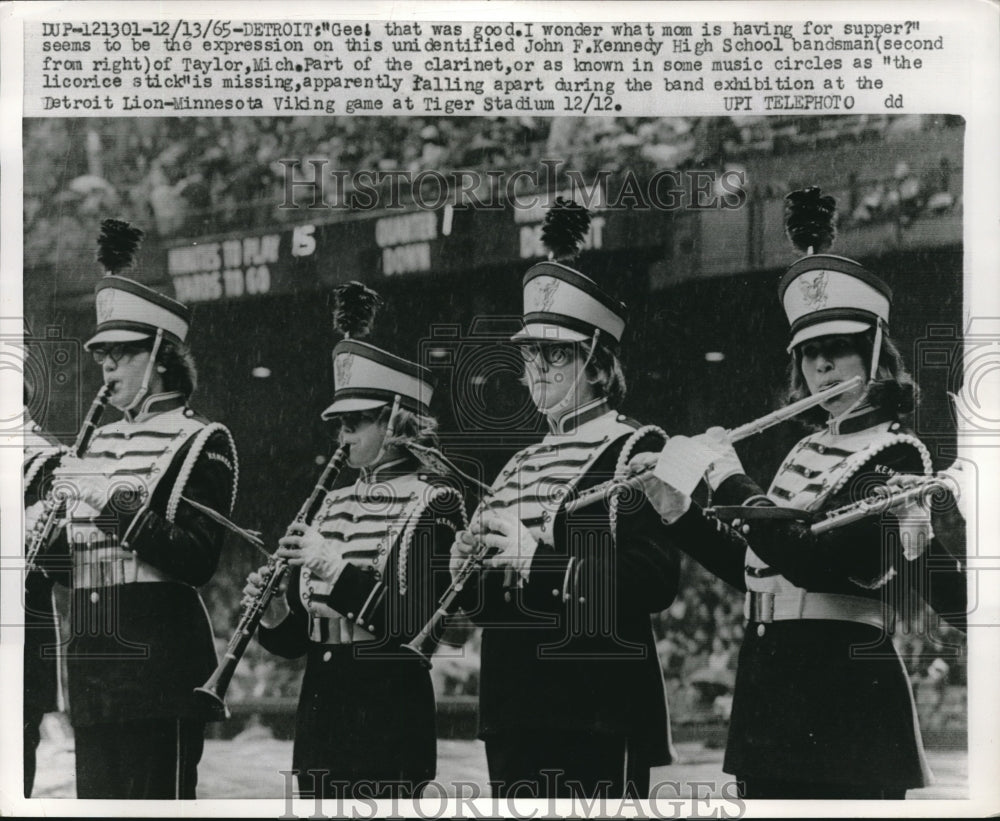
116, 245
810, 220
354, 309
566, 224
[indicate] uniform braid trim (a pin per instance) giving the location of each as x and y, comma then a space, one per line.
620, 466
38, 461
201, 439
412, 516
859, 458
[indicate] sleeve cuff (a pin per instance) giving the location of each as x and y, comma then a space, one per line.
735, 489
353, 594
138, 530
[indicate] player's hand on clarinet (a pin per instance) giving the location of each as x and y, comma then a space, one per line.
256, 581
304, 546
508, 543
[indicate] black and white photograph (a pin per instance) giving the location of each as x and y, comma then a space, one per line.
584, 459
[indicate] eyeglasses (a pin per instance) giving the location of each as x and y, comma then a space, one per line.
555, 354
116, 353
828, 347
353, 420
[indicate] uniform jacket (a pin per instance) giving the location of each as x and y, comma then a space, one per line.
41, 632
137, 650
366, 707
572, 647
818, 700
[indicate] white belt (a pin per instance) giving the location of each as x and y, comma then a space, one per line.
336, 630
98, 561
109, 566
793, 605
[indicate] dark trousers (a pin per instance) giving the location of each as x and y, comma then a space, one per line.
32, 737
321, 783
559, 764
767, 788
139, 759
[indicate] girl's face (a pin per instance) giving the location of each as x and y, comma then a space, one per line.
550, 370
830, 360
364, 435
123, 366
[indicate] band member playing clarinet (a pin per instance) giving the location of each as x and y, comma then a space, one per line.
822, 706
41, 677
367, 573
134, 551
572, 698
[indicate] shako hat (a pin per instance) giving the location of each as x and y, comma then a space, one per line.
821, 293
128, 311
560, 303
366, 377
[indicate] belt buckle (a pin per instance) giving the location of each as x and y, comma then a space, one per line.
762, 608
316, 629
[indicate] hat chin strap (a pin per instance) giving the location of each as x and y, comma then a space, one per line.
876, 349
872, 370
390, 430
147, 374
557, 409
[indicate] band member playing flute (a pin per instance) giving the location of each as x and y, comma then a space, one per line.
134, 552
822, 706
367, 573
572, 698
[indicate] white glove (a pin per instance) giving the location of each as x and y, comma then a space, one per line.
304, 546
725, 462
666, 500
507, 535
915, 531
963, 486
31, 515
278, 608
80, 486
87, 488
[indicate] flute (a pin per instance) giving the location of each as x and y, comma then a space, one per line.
876, 504
600, 491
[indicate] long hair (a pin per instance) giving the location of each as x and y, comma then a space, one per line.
605, 373
410, 427
179, 370
893, 388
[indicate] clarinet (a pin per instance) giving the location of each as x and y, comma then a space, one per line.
212, 694
427, 640
46, 521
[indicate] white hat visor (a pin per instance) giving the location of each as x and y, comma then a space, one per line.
831, 328
112, 336
352, 406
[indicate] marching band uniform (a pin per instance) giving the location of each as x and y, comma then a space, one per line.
570, 677
366, 714
822, 704
41, 627
141, 638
